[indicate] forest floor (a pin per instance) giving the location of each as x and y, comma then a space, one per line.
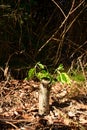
19, 107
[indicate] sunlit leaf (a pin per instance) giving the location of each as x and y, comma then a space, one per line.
31, 73
43, 74
64, 78
60, 67
40, 65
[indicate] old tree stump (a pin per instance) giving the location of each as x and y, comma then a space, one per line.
44, 93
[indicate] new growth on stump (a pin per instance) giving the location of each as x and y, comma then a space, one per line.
46, 80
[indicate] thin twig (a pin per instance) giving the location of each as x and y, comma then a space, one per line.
77, 7
70, 25
12, 125
58, 54
76, 46
82, 67
58, 28
59, 8
78, 49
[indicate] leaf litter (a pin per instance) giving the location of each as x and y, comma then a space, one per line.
19, 107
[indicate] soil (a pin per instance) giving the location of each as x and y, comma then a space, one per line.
19, 106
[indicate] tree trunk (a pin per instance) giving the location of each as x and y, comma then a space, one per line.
44, 93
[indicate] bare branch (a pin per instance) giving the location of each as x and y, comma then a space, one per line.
78, 49
59, 8
64, 21
58, 28
70, 25
77, 7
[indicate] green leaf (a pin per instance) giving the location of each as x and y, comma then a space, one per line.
43, 74
64, 78
31, 73
60, 67
40, 65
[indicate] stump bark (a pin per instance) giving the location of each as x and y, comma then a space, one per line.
44, 93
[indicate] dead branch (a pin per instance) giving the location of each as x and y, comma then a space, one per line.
62, 24
70, 25
59, 8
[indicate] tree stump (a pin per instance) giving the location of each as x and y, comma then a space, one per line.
44, 93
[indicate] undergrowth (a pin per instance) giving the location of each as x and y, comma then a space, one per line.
40, 71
